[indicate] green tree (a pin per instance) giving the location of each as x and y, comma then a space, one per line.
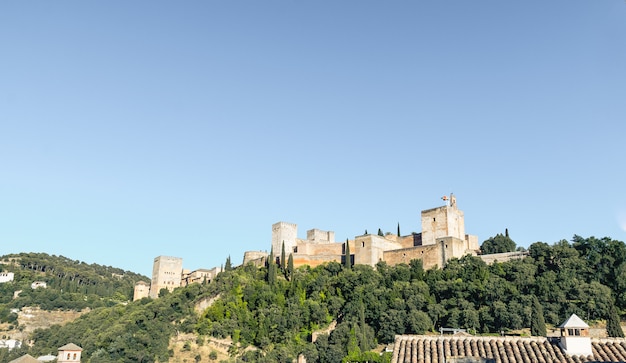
537, 322
497, 244
613, 325
347, 262
380, 232
283, 261
271, 268
290, 267
398, 229
228, 265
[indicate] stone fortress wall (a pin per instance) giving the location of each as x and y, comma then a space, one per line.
442, 238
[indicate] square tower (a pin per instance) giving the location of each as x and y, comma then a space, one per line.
287, 233
166, 274
445, 221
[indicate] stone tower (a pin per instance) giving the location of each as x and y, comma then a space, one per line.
142, 289
445, 221
166, 274
287, 233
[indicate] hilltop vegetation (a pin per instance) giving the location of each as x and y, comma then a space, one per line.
71, 285
271, 313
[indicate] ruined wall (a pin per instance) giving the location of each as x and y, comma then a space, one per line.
254, 256
503, 257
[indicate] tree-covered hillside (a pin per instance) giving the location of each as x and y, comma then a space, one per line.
70, 284
271, 314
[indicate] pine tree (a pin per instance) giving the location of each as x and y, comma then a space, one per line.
282, 258
613, 326
347, 264
537, 322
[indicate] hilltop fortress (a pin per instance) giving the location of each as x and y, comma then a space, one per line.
442, 238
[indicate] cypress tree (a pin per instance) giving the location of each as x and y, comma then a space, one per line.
613, 326
290, 266
347, 264
380, 232
398, 229
271, 268
537, 323
228, 266
282, 258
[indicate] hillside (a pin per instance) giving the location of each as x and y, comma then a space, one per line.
72, 288
269, 315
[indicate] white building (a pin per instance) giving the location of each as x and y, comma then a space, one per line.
6, 277
575, 339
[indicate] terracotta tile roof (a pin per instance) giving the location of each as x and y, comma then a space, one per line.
25, 359
429, 349
71, 346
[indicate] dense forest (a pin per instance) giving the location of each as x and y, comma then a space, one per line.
276, 309
71, 285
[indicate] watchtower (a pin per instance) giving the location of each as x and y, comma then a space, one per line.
287, 233
166, 274
444, 221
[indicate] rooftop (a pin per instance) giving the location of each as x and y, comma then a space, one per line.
429, 349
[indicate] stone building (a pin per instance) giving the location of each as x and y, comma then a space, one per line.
142, 289
442, 238
166, 274
6, 277
199, 275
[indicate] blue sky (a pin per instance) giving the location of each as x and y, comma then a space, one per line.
135, 129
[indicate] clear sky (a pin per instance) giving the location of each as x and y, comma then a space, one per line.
132, 129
